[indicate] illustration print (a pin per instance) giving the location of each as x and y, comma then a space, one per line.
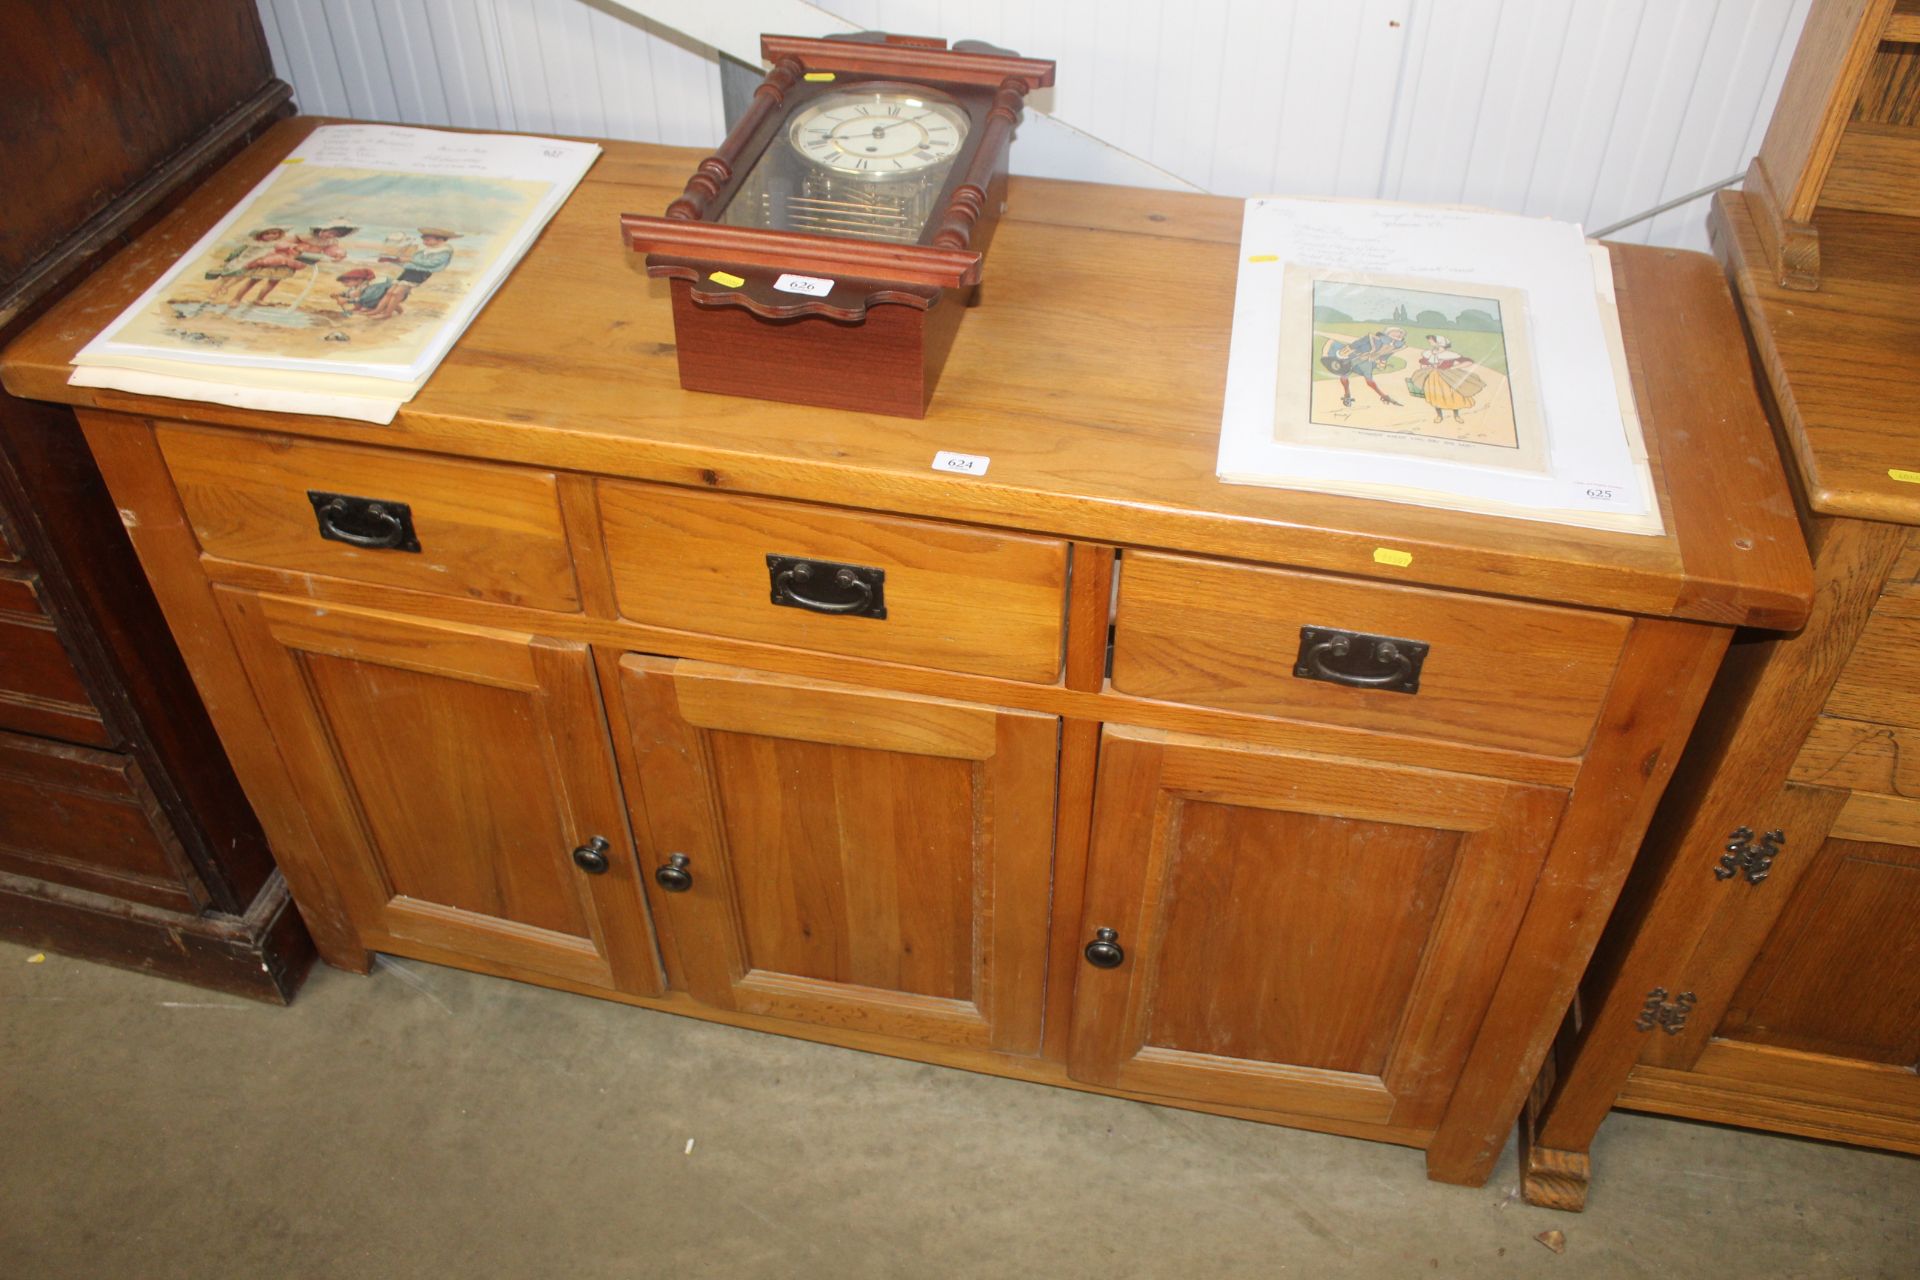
1448, 353
355, 264
1410, 366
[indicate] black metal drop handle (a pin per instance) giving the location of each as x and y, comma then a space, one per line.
1104, 951
591, 857
674, 876
845, 579
389, 532
1386, 652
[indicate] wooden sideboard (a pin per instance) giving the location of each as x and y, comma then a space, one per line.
1066, 812
1763, 967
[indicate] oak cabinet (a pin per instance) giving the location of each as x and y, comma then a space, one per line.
451, 772
1763, 967
1839, 973
1296, 932
743, 712
851, 857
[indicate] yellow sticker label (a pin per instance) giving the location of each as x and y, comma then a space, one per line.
294, 160
1264, 257
726, 278
1905, 477
1387, 555
818, 75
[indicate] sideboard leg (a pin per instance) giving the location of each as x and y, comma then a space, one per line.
1550, 1177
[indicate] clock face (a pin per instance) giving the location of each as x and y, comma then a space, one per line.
879, 133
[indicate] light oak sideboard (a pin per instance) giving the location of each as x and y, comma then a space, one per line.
740, 710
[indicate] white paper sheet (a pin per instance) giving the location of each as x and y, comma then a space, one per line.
1596, 470
358, 408
547, 168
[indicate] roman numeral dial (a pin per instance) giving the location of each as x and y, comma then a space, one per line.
879, 133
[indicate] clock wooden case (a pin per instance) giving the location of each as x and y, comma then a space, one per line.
824, 254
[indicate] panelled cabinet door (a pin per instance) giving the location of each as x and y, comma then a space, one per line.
867, 860
1839, 974
1295, 933
451, 772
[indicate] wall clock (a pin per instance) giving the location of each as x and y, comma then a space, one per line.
825, 253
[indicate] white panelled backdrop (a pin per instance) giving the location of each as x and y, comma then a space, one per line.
1589, 110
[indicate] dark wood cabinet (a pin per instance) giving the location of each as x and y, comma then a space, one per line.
123, 833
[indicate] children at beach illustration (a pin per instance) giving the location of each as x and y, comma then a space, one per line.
282, 259
417, 265
361, 291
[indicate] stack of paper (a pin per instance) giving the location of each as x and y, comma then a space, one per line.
1447, 357
338, 284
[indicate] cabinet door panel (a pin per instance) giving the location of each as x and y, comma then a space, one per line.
1840, 972
451, 771
864, 859
1299, 934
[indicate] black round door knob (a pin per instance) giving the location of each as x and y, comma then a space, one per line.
674, 876
591, 857
1104, 951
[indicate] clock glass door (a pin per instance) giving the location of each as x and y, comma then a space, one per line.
868, 161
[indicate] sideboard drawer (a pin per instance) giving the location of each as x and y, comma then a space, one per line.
919, 592
486, 531
1498, 672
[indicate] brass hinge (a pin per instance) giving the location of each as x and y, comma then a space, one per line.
1668, 1015
1744, 856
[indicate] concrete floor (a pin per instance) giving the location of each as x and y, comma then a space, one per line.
427, 1122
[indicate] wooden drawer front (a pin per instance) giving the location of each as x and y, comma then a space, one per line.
1523, 676
488, 532
40, 691
82, 818
956, 598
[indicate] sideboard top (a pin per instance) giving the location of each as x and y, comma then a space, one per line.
1091, 374
1836, 357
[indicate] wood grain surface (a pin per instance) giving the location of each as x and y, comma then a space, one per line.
858, 859
1847, 421
493, 533
1226, 635
1298, 932
957, 598
1097, 430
